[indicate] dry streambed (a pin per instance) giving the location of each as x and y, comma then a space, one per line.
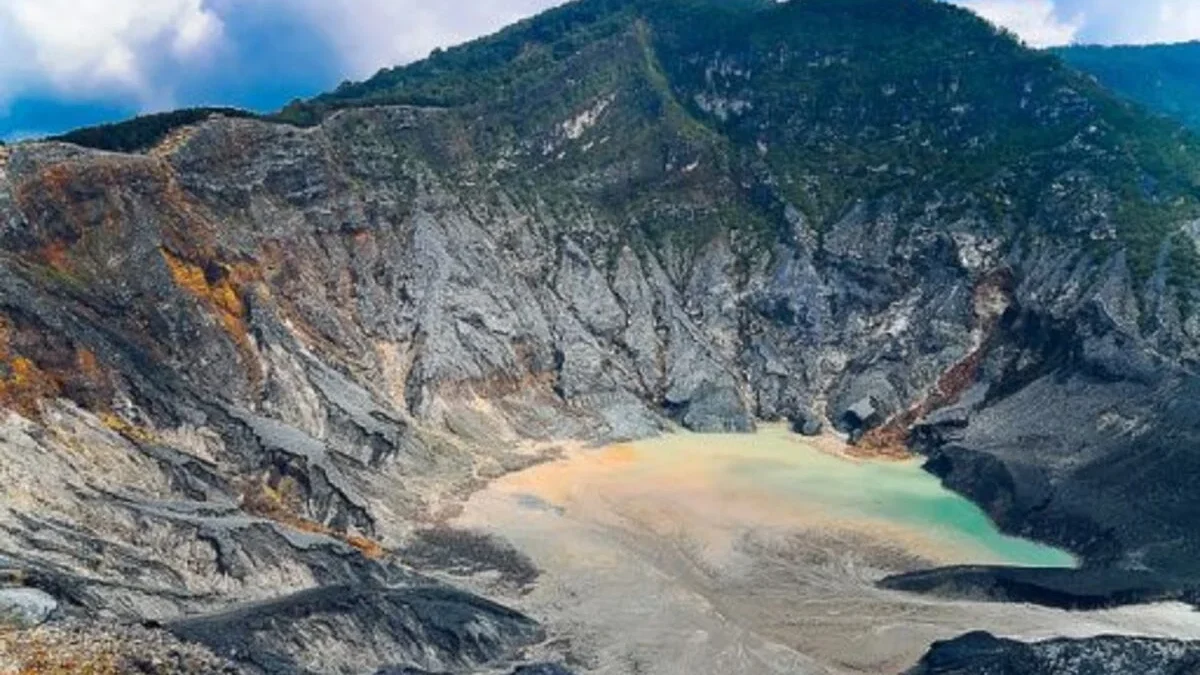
698, 554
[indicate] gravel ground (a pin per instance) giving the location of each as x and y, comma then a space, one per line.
70, 649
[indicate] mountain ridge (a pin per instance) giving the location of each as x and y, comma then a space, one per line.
1139, 169
296, 344
1161, 76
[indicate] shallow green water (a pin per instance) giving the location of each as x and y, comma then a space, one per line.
779, 463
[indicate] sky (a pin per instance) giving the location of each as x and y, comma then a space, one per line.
70, 63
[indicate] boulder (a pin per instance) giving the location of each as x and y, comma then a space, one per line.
806, 424
713, 409
860, 416
26, 606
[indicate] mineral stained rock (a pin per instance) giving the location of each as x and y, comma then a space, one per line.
241, 366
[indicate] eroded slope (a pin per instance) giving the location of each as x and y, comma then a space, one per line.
250, 361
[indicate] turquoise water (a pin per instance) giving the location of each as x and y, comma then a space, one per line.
902, 493
787, 468
710, 484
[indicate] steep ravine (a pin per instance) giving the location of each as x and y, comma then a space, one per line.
242, 371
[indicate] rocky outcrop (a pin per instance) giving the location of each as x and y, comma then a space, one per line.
806, 424
26, 606
984, 654
1080, 590
252, 363
1084, 445
344, 629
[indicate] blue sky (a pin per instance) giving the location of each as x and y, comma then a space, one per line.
68, 63
1055, 22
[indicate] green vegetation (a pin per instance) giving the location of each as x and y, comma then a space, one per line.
495, 67
142, 133
1164, 78
821, 104
921, 102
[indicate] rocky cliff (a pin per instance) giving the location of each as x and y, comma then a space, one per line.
247, 364
983, 654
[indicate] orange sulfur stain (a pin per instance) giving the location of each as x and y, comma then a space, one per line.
887, 442
54, 255
558, 482
618, 455
32, 369
129, 430
22, 383
279, 505
222, 297
367, 547
992, 296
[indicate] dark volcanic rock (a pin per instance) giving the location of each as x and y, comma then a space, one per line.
542, 669
239, 366
1081, 445
860, 417
423, 629
532, 669
806, 424
1085, 589
985, 654
1067, 453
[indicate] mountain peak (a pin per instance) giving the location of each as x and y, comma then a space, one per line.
845, 100
244, 361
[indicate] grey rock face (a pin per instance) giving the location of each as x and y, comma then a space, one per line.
984, 654
241, 368
327, 361
421, 629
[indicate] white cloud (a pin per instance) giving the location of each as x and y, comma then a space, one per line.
87, 47
371, 34
1037, 22
132, 49
1053, 22
1175, 21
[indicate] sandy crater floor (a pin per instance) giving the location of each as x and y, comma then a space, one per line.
696, 554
